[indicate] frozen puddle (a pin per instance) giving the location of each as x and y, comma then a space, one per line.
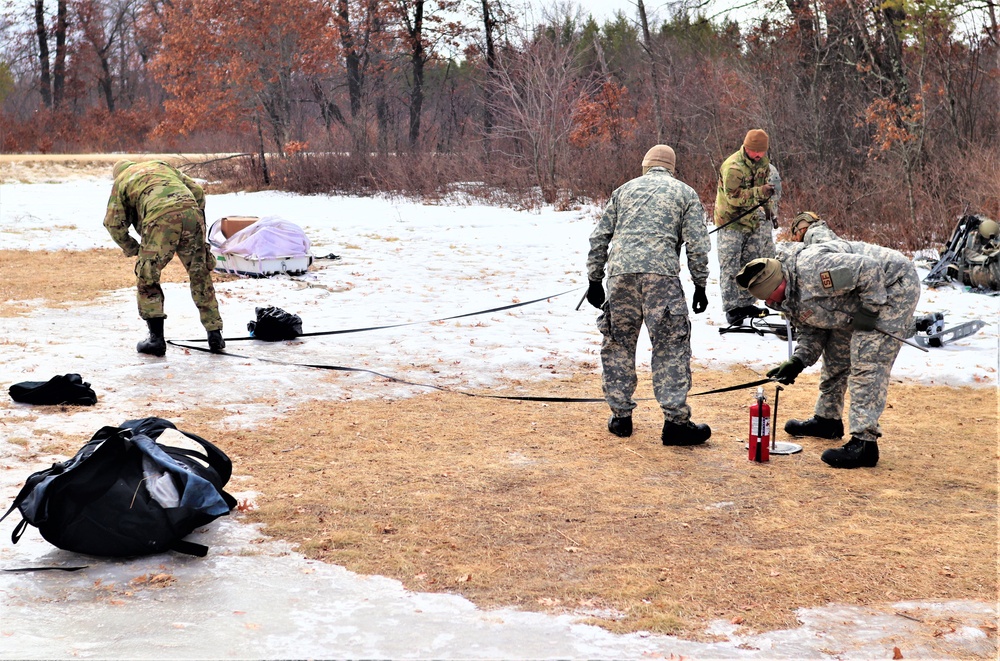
255, 598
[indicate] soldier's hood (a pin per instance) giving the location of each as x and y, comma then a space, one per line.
120, 167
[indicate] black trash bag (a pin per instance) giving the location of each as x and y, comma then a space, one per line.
124, 494
274, 324
62, 389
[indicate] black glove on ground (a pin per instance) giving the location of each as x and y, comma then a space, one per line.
700, 301
864, 320
787, 371
595, 294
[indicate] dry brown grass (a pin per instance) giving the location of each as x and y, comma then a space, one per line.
30, 275
536, 505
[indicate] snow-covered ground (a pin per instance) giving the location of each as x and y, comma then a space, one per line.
401, 261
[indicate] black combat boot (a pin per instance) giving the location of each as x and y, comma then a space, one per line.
684, 433
215, 342
620, 426
855, 454
154, 345
816, 426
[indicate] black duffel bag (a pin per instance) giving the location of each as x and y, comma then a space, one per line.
124, 494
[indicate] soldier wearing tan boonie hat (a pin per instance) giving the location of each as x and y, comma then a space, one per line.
760, 277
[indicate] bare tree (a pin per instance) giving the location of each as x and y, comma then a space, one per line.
45, 79
533, 95
103, 25
426, 27
647, 43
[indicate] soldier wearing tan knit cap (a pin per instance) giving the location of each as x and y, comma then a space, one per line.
744, 189
659, 155
637, 246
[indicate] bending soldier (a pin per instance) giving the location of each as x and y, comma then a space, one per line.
638, 243
744, 183
808, 228
849, 286
167, 209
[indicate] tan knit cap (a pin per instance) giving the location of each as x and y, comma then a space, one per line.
659, 155
760, 277
756, 140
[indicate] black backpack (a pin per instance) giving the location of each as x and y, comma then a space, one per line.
101, 501
274, 324
62, 389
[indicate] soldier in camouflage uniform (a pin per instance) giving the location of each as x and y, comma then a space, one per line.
744, 183
167, 210
807, 228
843, 285
978, 263
637, 244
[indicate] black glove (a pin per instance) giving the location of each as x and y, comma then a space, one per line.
595, 294
787, 371
864, 320
700, 300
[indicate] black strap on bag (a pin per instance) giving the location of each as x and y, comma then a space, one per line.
62, 389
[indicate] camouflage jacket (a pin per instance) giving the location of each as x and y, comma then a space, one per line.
819, 232
739, 189
142, 194
643, 227
828, 282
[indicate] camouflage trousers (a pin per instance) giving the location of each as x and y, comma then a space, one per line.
737, 247
834, 375
657, 300
181, 233
872, 355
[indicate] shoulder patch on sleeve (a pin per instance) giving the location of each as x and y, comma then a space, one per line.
837, 279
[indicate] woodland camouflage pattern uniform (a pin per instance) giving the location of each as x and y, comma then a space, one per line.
167, 209
739, 189
637, 243
827, 284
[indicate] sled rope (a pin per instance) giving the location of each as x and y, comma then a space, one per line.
406, 323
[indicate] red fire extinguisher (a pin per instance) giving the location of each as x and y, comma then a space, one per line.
760, 429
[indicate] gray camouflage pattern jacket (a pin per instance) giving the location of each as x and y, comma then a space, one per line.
643, 227
828, 282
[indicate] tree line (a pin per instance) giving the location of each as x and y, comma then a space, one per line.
883, 114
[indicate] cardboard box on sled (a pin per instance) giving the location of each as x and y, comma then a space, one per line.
233, 224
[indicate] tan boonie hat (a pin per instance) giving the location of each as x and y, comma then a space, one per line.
756, 140
803, 218
120, 167
760, 277
659, 155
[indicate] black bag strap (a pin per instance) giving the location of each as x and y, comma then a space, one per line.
215, 457
18, 529
189, 548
